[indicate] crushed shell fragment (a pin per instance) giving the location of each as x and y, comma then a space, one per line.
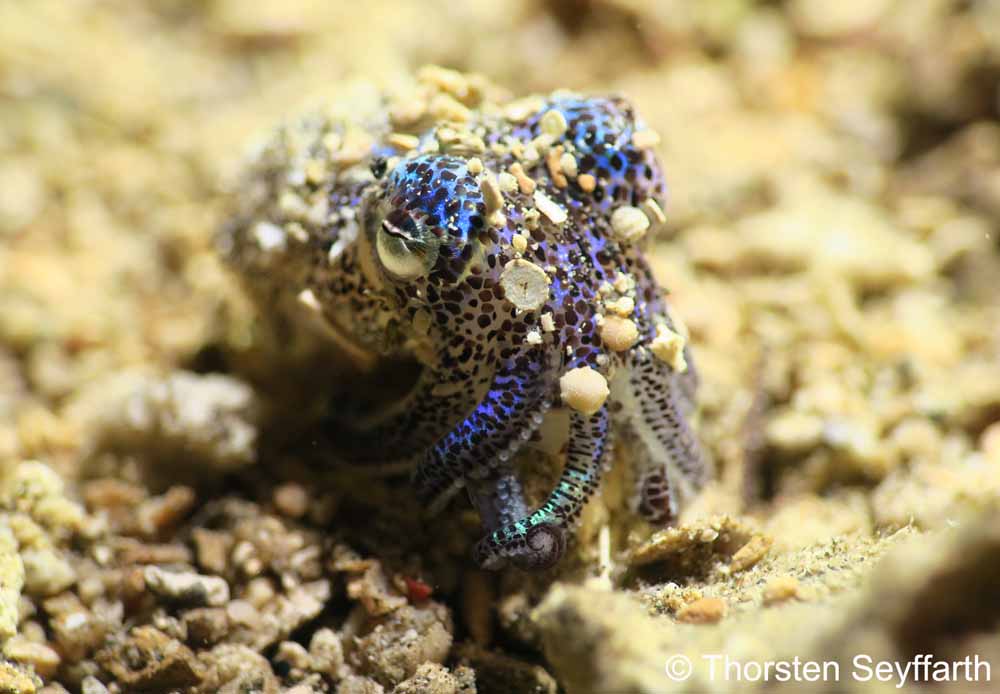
525, 284
668, 346
549, 208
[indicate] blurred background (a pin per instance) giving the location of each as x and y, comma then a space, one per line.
832, 235
834, 176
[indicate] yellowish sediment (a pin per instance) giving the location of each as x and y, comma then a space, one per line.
830, 241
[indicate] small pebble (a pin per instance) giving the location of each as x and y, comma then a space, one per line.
586, 182
294, 653
702, 611
403, 141
242, 612
530, 155
750, 553
44, 659
619, 334
14, 679
622, 306
447, 108
187, 586
491, 193
524, 182
519, 243
668, 346
159, 514
553, 123
567, 162
629, 224
291, 500
445, 79
46, 571
212, 549
584, 389
522, 109
92, 685
552, 162
531, 218
653, 211
549, 208
259, 591
623, 282
326, 652
206, 626
507, 182
781, 589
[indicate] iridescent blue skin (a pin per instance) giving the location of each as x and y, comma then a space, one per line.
485, 388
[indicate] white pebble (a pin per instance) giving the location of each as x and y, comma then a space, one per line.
548, 207
629, 224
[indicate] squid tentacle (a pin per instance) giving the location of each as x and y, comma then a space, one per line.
480, 448
675, 466
538, 540
388, 438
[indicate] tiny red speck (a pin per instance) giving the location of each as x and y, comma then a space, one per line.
417, 590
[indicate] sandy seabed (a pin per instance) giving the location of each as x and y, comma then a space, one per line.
831, 244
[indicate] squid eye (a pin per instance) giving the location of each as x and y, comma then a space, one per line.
406, 248
401, 225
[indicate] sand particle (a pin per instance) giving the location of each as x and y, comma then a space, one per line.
781, 589
522, 109
619, 334
584, 389
553, 163
629, 224
524, 182
702, 611
668, 346
653, 211
491, 193
622, 306
567, 162
553, 123
403, 141
447, 108
508, 184
549, 208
